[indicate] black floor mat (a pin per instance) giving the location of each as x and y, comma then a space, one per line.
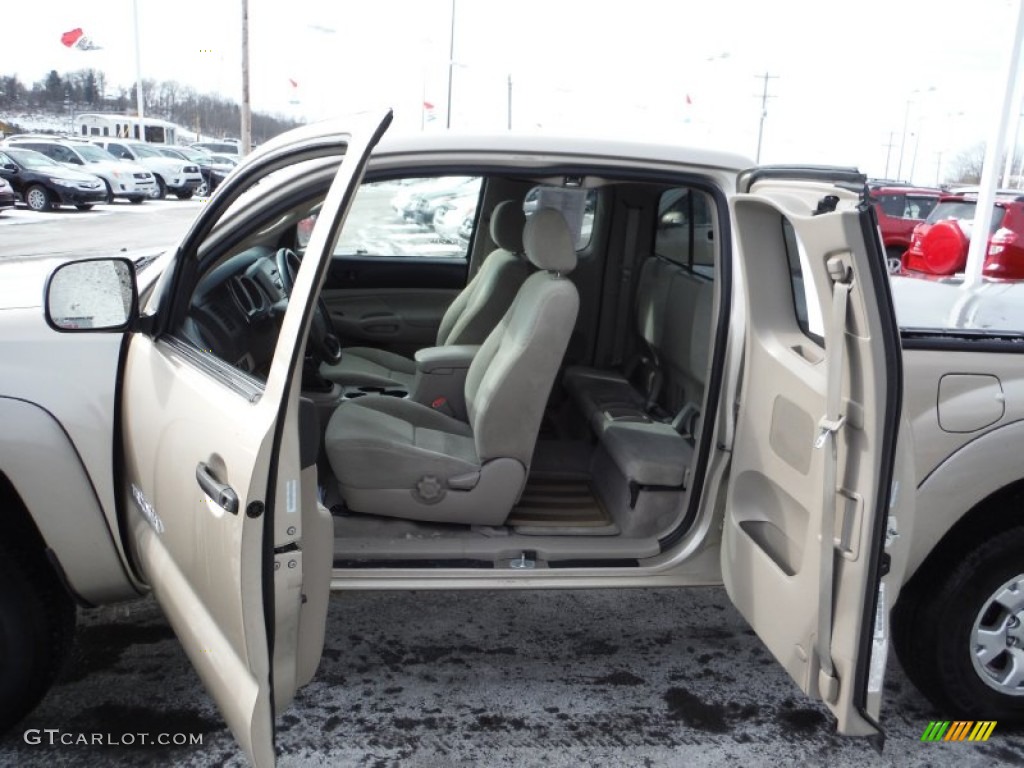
556, 503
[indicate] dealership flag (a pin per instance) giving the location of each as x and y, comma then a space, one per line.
76, 38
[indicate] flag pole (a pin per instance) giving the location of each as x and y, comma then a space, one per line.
138, 73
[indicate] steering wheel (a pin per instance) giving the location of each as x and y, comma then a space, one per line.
324, 344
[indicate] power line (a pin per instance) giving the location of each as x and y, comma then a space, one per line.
764, 96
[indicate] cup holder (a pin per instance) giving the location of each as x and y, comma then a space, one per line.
396, 393
374, 390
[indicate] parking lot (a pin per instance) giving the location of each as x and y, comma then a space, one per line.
560, 678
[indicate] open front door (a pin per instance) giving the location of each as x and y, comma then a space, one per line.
220, 502
815, 444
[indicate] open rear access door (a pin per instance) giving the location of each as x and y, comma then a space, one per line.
815, 442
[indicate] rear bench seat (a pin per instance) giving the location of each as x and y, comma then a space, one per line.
645, 416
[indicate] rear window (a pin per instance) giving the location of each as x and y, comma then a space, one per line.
963, 210
576, 206
684, 233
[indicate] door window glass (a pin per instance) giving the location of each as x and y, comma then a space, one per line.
684, 231
415, 218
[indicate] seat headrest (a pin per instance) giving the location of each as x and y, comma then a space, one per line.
507, 222
548, 242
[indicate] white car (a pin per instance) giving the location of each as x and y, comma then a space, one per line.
628, 409
179, 177
450, 215
126, 180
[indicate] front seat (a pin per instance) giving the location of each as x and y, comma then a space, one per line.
468, 319
400, 458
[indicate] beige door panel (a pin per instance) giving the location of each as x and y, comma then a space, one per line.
782, 504
203, 562
388, 315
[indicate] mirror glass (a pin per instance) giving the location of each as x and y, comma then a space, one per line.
97, 295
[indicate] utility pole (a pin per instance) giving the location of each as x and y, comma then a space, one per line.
938, 167
764, 109
888, 154
510, 101
246, 136
138, 73
451, 68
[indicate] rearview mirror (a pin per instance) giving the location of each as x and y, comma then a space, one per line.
92, 295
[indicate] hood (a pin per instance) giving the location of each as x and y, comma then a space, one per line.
115, 166
68, 173
22, 281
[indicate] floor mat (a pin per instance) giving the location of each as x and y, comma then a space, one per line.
555, 506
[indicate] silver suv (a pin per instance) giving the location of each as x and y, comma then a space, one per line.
122, 180
302, 397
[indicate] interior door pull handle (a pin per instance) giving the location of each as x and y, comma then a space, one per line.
224, 495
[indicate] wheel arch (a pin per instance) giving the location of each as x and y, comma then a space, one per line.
61, 521
954, 516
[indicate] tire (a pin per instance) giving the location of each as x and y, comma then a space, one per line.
84, 206
159, 192
136, 200
185, 195
37, 624
110, 193
894, 259
948, 612
203, 190
38, 198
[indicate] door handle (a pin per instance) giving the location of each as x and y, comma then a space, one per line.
224, 495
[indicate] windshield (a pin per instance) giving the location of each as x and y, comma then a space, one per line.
168, 152
93, 154
32, 159
192, 154
963, 210
143, 151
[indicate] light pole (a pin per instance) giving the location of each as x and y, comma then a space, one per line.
764, 110
906, 121
451, 68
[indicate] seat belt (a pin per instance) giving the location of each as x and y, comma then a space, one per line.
828, 428
625, 295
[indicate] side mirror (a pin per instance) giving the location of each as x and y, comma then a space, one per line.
75, 161
10, 167
92, 295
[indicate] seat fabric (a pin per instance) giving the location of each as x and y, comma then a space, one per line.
401, 458
468, 319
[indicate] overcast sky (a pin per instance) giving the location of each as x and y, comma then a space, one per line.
846, 72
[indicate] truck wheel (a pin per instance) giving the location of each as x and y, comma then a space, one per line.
109, 191
158, 192
960, 633
37, 624
184, 195
37, 198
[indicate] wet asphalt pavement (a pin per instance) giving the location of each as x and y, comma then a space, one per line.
559, 678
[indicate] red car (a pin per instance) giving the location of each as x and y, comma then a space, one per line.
900, 208
939, 245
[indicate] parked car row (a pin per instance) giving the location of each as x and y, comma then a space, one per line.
46, 171
446, 205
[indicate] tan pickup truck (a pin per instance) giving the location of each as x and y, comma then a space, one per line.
645, 366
